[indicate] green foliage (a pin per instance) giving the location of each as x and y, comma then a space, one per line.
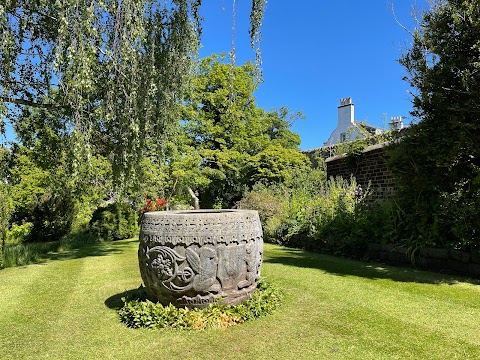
114, 222
115, 71
40, 196
28, 253
18, 234
52, 216
44, 133
5, 213
437, 162
18, 252
277, 164
381, 222
308, 206
28, 183
356, 147
330, 215
44, 194
263, 199
138, 311
93, 188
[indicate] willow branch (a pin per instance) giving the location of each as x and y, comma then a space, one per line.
28, 103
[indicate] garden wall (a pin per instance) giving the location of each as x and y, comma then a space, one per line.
451, 262
369, 168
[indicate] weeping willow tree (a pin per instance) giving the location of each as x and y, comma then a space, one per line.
116, 70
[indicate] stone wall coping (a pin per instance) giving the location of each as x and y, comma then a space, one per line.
366, 150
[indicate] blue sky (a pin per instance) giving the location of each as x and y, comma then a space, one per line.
316, 52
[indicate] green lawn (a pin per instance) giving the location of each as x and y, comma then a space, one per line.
333, 309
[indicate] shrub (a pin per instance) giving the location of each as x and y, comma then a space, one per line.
333, 211
77, 239
19, 233
285, 209
309, 206
327, 214
264, 200
114, 222
52, 216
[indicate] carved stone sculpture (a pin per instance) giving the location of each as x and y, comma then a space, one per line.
194, 258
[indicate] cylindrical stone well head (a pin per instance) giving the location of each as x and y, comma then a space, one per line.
192, 258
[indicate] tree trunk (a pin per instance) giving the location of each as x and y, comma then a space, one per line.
195, 199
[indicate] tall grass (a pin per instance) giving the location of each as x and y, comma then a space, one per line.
24, 254
19, 254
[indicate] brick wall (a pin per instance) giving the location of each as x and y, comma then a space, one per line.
369, 168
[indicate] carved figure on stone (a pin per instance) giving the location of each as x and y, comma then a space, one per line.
230, 264
259, 255
205, 268
251, 265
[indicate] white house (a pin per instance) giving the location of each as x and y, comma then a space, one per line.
348, 129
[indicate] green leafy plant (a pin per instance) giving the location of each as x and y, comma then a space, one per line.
5, 212
20, 253
234, 143
19, 233
27, 253
436, 163
138, 311
308, 206
120, 93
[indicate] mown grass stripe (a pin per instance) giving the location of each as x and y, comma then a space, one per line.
43, 300
14, 287
100, 279
333, 308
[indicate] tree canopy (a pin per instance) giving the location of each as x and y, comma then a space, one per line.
438, 160
232, 138
114, 69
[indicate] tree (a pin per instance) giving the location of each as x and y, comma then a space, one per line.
42, 197
5, 203
117, 69
438, 160
226, 130
277, 164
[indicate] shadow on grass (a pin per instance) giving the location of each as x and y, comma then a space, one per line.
115, 302
40, 253
101, 249
348, 267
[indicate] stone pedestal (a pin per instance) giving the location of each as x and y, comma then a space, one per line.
197, 257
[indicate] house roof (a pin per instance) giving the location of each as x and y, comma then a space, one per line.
370, 128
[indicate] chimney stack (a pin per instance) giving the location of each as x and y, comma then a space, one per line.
396, 123
346, 113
